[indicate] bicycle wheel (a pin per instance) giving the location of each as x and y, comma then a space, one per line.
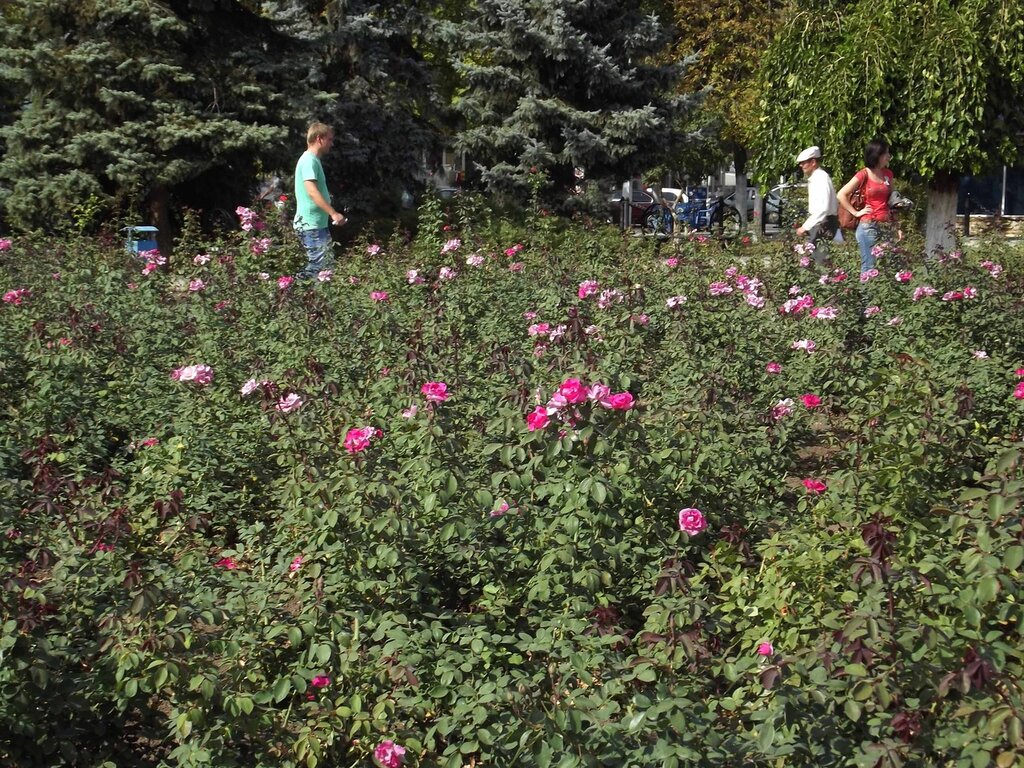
726, 224
656, 222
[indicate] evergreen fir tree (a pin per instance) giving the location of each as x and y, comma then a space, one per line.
127, 101
558, 84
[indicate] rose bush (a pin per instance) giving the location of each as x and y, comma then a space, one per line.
714, 530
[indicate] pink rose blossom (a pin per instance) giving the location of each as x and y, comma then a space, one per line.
573, 390
358, 439
980, 354
773, 367
201, 259
587, 288
320, 681
1019, 373
435, 391
227, 563
500, 510
952, 296
993, 269
296, 564
249, 387
675, 301
259, 245
797, 305
970, 292
196, 285
373, 249
922, 291
1018, 391
284, 281
447, 273
782, 408
510, 252
757, 302
413, 277
451, 245
379, 295
691, 521
608, 297
250, 219
872, 310
200, 374
529, 315
765, 649
672, 262
904, 276
410, 412
621, 401
642, 320
16, 296
868, 275
264, 275
805, 261
353, 280
719, 289
895, 320
810, 401
325, 275
598, 392
289, 403
389, 754
807, 345
5, 244
474, 260
539, 329
516, 266
537, 419
814, 486
824, 313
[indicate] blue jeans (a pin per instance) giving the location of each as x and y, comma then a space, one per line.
319, 251
868, 234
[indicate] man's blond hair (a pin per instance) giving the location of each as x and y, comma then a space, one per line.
317, 131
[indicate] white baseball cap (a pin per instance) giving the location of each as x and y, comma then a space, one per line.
808, 154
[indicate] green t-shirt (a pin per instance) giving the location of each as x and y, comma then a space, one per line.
307, 214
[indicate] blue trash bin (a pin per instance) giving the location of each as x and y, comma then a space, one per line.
139, 239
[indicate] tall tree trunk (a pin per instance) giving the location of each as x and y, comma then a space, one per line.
941, 217
159, 213
739, 161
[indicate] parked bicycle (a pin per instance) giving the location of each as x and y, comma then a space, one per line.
693, 212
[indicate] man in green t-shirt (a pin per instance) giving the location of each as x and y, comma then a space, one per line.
314, 213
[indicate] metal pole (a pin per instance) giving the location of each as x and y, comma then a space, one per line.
967, 215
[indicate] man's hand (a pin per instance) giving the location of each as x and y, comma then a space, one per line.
801, 231
338, 219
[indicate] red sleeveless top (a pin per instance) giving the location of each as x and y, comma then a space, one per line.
876, 195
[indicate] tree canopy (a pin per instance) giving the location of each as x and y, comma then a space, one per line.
941, 80
126, 99
553, 84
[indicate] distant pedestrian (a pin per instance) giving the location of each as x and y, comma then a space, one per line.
822, 222
314, 213
876, 181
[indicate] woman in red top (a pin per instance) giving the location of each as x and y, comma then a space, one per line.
875, 179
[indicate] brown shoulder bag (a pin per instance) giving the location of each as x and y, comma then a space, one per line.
846, 219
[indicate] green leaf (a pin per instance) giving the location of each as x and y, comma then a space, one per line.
282, 688
766, 736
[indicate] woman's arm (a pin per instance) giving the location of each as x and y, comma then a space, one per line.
843, 195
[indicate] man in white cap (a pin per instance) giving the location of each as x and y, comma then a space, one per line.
822, 221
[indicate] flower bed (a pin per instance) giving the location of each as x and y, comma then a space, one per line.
509, 498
